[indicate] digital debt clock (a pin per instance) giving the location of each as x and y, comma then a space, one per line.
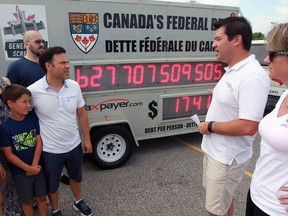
181, 106
102, 77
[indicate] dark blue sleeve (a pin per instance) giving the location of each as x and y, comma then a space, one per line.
5, 140
35, 121
12, 73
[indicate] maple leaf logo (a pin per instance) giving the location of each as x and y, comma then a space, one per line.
17, 15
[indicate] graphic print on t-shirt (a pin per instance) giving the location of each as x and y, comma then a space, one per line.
24, 140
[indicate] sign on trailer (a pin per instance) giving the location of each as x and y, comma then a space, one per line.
144, 67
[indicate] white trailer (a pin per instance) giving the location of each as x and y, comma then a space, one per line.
144, 67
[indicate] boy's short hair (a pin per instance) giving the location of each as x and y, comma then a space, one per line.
13, 92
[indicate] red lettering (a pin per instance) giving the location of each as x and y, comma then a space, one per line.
208, 73
129, 73
96, 77
81, 80
197, 101
199, 72
175, 73
218, 71
164, 73
186, 69
138, 75
153, 68
113, 74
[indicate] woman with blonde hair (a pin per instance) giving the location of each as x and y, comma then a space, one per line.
268, 194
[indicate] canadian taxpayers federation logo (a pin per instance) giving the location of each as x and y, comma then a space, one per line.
113, 104
84, 29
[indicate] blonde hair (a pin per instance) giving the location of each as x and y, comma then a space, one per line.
277, 38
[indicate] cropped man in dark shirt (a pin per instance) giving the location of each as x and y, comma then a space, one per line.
26, 71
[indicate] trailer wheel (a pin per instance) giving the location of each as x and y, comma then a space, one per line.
112, 146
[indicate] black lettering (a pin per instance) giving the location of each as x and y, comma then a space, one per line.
214, 20
108, 46
194, 23
191, 46
141, 21
160, 23
188, 23
206, 46
181, 22
174, 22
107, 20
133, 21
116, 21
202, 24
169, 22
150, 22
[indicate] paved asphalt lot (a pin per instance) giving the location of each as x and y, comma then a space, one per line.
162, 178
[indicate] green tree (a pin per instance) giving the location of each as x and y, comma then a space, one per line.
258, 36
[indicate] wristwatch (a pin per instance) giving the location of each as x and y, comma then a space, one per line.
210, 126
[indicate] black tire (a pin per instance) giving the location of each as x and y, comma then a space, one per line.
112, 146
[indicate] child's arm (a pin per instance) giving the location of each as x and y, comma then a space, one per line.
38, 150
32, 170
2, 172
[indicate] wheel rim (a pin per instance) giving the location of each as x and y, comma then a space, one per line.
111, 148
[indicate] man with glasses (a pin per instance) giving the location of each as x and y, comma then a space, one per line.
237, 106
27, 70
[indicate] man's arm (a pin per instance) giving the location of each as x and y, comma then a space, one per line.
239, 127
84, 125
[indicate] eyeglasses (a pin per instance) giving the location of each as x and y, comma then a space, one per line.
273, 54
38, 41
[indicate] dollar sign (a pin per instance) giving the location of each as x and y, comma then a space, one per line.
154, 111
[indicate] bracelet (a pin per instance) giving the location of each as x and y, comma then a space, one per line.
210, 126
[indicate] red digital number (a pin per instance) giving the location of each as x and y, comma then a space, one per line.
129, 73
209, 101
218, 71
94, 80
197, 102
177, 105
199, 72
113, 74
125, 76
175, 73
138, 74
208, 73
135, 75
186, 69
186, 100
164, 73
82, 80
153, 75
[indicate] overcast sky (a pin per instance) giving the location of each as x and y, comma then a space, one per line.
261, 13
